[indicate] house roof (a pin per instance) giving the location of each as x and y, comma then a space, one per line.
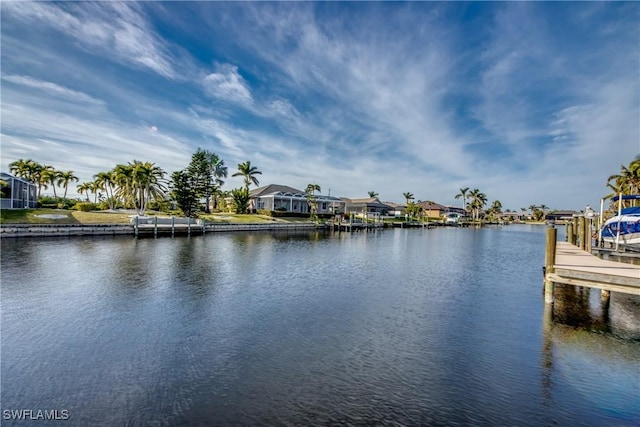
274, 189
369, 201
286, 191
395, 205
432, 206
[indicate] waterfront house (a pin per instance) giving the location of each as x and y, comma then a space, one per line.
433, 210
17, 193
275, 197
368, 205
396, 209
561, 215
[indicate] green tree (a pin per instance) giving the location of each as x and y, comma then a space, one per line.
106, 181
183, 191
312, 200
408, 196
373, 194
463, 194
64, 179
23, 169
139, 182
414, 210
249, 173
85, 188
207, 170
626, 182
50, 176
478, 201
240, 199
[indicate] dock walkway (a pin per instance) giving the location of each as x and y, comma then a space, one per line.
574, 266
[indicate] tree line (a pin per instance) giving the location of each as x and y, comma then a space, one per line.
136, 184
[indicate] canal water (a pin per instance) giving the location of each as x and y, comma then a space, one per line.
399, 327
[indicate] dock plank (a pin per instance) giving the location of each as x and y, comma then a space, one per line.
575, 266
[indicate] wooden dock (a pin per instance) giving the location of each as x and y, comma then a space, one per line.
567, 264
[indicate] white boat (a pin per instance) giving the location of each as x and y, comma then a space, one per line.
624, 228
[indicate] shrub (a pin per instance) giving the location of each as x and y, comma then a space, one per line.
85, 206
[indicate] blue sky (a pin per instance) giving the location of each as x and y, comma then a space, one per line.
532, 103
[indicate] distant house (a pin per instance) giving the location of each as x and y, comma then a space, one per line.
368, 205
561, 215
432, 209
274, 197
17, 193
396, 209
455, 209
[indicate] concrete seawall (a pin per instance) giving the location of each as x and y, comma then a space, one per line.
63, 230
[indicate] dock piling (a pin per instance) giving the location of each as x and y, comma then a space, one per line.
549, 262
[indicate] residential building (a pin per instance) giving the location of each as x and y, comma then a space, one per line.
17, 193
368, 205
275, 197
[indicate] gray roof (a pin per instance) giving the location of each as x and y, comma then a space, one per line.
274, 189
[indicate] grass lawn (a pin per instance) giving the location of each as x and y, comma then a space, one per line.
31, 216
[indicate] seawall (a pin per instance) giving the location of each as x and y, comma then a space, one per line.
63, 230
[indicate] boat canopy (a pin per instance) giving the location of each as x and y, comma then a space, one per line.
631, 211
627, 197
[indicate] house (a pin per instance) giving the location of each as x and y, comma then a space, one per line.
561, 215
456, 209
17, 193
396, 209
433, 209
368, 205
274, 197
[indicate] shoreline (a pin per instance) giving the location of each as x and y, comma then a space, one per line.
64, 230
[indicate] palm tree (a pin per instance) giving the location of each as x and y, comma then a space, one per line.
408, 196
627, 182
478, 201
463, 194
50, 176
139, 182
64, 179
106, 181
23, 169
373, 194
218, 171
311, 199
248, 172
85, 188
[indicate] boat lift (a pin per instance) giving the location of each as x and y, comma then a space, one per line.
619, 198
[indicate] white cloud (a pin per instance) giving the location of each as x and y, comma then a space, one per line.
116, 29
226, 83
52, 89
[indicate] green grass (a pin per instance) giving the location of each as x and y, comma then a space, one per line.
29, 216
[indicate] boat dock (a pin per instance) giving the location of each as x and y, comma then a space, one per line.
568, 264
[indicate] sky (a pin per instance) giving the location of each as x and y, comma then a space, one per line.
532, 103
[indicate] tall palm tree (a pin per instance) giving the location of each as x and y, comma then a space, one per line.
139, 182
408, 196
248, 172
23, 169
51, 176
463, 194
478, 201
64, 179
311, 199
106, 181
85, 188
218, 171
627, 181
373, 194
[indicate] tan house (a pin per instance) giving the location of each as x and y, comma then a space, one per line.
368, 205
433, 210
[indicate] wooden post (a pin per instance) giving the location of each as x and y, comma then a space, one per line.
587, 232
566, 231
575, 231
581, 229
570, 235
549, 262
173, 225
189, 226
203, 225
155, 226
135, 226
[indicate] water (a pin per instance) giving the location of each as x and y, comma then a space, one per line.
401, 327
